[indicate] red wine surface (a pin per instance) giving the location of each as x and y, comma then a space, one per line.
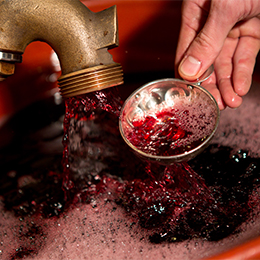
169, 131
161, 135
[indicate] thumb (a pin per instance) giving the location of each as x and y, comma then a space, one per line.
206, 46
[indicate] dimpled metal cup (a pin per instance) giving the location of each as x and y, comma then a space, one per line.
176, 95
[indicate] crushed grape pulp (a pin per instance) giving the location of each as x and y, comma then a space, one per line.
209, 198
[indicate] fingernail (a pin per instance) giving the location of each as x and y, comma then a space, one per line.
190, 66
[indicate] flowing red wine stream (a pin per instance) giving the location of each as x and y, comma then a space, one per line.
80, 108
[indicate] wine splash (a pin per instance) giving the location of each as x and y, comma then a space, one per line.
157, 133
162, 193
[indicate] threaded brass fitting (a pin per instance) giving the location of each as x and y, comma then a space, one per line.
91, 79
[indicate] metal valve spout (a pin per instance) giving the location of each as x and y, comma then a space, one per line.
79, 36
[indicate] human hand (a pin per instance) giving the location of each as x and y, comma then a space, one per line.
225, 33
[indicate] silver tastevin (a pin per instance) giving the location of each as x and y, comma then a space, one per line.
203, 116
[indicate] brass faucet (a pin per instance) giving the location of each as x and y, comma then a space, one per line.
79, 36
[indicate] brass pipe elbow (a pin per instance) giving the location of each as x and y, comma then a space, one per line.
79, 36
